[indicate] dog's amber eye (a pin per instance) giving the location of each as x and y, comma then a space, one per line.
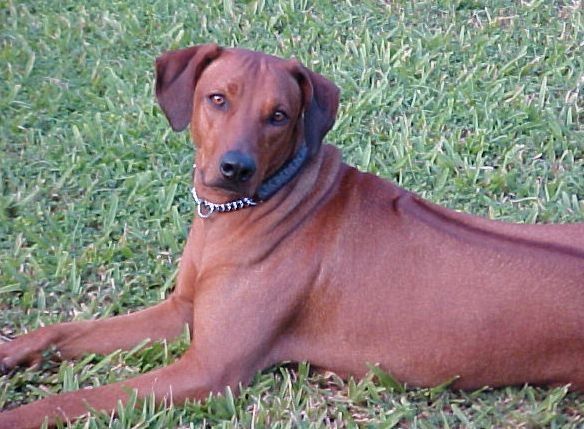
279, 117
217, 99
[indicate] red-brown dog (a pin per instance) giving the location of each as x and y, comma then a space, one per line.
296, 256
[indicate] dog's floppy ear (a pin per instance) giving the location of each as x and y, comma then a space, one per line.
177, 73
321, 100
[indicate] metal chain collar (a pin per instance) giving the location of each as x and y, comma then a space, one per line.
207, 208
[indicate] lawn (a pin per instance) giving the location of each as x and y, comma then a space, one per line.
476, 105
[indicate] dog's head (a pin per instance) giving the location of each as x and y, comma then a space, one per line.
249, 112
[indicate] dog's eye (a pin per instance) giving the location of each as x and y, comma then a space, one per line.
279, 118
217, 100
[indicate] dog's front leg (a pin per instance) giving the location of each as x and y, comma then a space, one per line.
182, 380
74, 339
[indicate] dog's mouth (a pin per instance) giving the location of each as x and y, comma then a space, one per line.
227, 188
235, 190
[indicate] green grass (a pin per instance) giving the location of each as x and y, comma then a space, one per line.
476, 105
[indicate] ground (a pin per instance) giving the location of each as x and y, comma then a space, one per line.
476, 105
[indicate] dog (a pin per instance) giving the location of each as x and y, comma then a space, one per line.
295, 256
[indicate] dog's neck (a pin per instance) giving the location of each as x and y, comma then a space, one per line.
304, 195
309, 189
305, 189
284, 175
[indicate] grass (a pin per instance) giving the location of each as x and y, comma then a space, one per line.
476, 105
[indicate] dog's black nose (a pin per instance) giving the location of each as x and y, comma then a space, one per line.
237, 166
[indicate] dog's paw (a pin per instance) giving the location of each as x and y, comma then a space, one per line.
26, 350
